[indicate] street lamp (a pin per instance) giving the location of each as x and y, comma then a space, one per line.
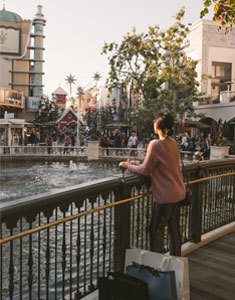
78, 118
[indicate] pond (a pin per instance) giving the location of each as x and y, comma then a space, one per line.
22, 179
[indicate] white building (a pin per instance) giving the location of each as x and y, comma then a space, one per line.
215, 52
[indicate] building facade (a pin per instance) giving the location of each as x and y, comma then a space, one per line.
215, 52
21, 61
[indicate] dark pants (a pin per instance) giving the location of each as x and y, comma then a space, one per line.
162, 215
133, 152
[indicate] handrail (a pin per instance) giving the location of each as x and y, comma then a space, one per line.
70, 218
210, 177
91, 211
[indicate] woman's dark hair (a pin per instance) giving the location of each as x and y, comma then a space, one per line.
165, 122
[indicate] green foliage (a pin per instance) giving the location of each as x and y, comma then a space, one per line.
91, 118
224, 12
47, 112
106, 115
97, 77
156, 68
80, 92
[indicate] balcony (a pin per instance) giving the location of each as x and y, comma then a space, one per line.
223, 98
11, 98
221, 107
55, 246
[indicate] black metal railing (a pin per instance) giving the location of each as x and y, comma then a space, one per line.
55, 246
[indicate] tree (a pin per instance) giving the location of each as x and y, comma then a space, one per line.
96, 77
224, 11
47, 111
70, 79
157, 68
80, 92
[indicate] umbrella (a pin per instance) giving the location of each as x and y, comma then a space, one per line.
196, 124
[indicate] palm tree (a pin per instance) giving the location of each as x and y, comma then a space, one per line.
70, 79
96, 77
80, 91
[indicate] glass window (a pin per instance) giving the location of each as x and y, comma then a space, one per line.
222, 70
222, 76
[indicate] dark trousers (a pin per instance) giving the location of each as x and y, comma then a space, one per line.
165, 215
133, 152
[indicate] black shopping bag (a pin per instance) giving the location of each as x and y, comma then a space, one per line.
161, 285
120, 286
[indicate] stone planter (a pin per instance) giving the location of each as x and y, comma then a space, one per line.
93, 150
218, 152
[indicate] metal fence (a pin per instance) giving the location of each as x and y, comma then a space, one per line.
56, 246
30, 150
56, 151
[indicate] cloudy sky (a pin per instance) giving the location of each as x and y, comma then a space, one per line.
76, 31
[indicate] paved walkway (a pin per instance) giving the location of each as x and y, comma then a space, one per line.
212, 270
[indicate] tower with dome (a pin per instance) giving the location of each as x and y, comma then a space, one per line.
21, 60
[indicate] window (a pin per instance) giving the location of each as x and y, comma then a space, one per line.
222, 75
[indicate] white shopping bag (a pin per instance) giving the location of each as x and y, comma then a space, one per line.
165, 263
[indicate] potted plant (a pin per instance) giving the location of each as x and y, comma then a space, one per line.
219, 149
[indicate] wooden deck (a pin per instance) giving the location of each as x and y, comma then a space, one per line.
212, 270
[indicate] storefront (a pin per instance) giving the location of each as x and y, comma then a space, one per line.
12, 132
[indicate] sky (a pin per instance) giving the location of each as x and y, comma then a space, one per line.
76, 31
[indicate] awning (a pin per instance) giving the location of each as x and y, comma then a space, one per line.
196, 124
19, 122
13, 122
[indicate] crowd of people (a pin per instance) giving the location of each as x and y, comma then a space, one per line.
115, 139
200, 142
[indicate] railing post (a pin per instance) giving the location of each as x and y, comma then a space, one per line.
121, 228
197, 210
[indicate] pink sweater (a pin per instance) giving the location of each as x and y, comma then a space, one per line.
165, 171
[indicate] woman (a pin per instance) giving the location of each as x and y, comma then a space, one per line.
162, 163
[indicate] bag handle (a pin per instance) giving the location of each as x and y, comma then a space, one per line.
165, 263
116, 274
163, 268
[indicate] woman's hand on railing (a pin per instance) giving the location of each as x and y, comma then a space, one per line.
123, 165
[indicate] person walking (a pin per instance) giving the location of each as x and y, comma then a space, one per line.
49, 141
133, 143
162, 163
66, 143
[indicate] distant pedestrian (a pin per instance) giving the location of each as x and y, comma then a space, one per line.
32, 138
66, 143
49, 141
73, 141
133, 143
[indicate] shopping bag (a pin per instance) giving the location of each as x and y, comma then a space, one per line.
161, 284
120, 286
164, 262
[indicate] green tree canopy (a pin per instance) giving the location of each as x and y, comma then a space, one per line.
47, 111
157, 69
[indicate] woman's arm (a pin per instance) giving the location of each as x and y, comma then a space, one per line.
146, 168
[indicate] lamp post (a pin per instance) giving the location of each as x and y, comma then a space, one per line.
78, 118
